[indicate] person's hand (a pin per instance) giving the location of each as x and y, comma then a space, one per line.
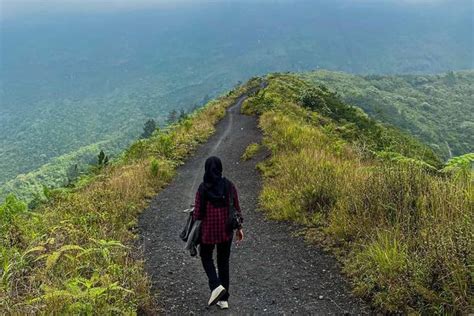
239, 235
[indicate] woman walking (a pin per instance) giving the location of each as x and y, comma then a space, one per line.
216, 200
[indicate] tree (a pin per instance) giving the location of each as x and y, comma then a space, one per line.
311, 99
149, 128
182, 114
450, 78
172, 117
72, 173
103, 160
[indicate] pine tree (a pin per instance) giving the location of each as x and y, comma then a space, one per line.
149, 128
172, 117
103, 160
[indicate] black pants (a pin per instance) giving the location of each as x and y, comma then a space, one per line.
223, 255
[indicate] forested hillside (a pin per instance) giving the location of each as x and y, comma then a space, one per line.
437, 109
34, 133
364, 145
74, 78
65, 144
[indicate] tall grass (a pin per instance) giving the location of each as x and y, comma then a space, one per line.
76, 253
404, 232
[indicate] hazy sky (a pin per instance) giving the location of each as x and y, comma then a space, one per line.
15, 8
12, 8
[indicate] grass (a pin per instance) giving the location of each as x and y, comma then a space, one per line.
76, 253
250, 151
403, 230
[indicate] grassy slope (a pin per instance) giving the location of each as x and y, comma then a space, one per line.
427, 106
435, 108
75, 253
403, 230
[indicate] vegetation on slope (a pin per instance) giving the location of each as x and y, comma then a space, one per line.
70, 153
438, 109
403, 229
59, 172
62, 133
72, 78
75, 253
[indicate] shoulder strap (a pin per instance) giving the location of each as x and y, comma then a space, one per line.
231, 196
203, 204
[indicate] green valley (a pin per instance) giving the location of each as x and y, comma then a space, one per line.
437, 109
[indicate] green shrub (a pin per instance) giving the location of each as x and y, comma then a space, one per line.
154, 167
10, 208
312, 99
460, 167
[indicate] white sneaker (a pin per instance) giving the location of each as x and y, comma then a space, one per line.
216, 294
223, 304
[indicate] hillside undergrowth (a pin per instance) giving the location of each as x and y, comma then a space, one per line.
372, 194
76, 253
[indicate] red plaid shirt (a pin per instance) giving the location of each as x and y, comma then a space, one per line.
214, 226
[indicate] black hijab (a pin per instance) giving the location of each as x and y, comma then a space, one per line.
213, 187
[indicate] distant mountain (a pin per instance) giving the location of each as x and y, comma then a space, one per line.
72, 79
437, 109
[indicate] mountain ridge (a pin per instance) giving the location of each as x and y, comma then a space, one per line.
372, 195
351, 89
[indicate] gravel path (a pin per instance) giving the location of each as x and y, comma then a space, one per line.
272, 272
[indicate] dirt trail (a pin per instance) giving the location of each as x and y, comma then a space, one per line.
272, 272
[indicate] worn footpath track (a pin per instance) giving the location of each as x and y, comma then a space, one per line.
272, 272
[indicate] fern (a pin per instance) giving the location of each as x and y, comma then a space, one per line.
464, 162
52, 259
34, 249
400, 159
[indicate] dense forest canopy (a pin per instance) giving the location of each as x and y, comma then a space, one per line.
438, 109
73, 81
